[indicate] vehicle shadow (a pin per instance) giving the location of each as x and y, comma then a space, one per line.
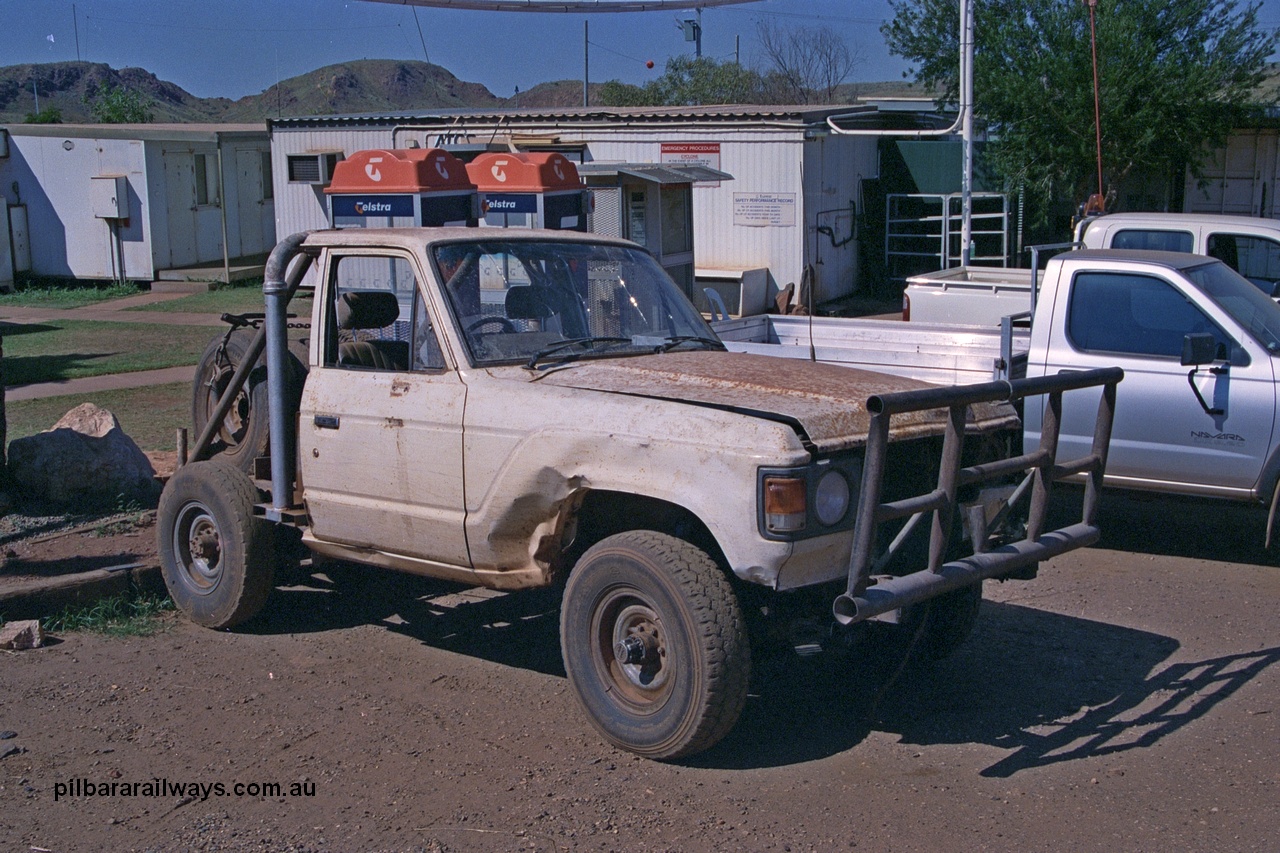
1044, 687
1047, 687
517, 629
1172, 525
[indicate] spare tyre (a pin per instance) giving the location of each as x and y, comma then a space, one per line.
243, 435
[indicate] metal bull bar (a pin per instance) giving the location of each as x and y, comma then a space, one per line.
866, 598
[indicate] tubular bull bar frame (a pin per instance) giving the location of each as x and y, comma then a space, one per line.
868, 597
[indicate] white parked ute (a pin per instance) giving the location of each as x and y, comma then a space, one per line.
1250, 245
526, 408
982, 296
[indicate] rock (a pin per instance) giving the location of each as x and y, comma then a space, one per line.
85, 458
21, 635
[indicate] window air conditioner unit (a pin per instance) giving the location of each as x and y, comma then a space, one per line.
313, 168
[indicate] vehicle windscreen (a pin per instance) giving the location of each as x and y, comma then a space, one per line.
522, 301
1245, 303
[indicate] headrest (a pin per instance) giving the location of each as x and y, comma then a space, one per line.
367, 309
527, 303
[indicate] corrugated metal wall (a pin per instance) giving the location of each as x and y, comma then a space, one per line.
303, 207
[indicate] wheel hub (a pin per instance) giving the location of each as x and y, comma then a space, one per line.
636, 649
204, 543
639, 652
199, 547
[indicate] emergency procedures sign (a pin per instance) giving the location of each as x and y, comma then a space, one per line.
692, 154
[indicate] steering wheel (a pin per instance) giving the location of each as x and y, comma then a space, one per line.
505, 324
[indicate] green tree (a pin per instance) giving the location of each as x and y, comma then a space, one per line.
48, 115
688, 81
110, 104
1175, 77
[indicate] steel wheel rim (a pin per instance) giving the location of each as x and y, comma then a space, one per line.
643, 687
198, 547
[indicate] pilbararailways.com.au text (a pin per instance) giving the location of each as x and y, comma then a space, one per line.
84, 788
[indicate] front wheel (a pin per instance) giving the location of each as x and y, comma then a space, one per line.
216, 556
655, 645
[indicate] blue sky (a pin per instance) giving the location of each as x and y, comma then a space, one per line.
241, 47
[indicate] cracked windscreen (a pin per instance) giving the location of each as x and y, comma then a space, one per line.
522, 301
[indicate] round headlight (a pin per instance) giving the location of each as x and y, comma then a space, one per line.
832, 498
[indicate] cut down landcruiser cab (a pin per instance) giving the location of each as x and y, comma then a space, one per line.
525, 408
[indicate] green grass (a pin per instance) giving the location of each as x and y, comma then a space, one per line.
63, 293
238, 299
68, 349
117, 616
148, 415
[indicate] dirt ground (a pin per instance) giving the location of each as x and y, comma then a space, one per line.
1128, 699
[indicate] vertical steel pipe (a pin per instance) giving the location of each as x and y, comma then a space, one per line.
276, 291
1101, 444
948, 475
1049, 427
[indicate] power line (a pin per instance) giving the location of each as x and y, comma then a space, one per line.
423, 40
614, 52
98, 19
806, 15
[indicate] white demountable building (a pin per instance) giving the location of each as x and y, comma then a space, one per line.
138, 202
792, 203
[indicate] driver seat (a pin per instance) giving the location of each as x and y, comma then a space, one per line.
359, 310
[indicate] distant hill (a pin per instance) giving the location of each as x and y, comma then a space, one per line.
362, 86
65, 84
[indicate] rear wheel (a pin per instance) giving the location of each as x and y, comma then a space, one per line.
655, 644
216, 556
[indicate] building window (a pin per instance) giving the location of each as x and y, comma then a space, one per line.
206, 179
268, 183
677, 219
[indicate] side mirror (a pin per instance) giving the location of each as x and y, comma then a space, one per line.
1197, 349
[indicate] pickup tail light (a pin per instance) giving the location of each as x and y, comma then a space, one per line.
785, 507
906, 307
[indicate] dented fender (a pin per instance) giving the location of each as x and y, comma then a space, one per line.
703, 460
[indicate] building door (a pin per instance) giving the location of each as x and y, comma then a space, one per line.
180, 203
253, 207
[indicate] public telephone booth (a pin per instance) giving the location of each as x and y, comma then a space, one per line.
651, 204
402, 187
529, 190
